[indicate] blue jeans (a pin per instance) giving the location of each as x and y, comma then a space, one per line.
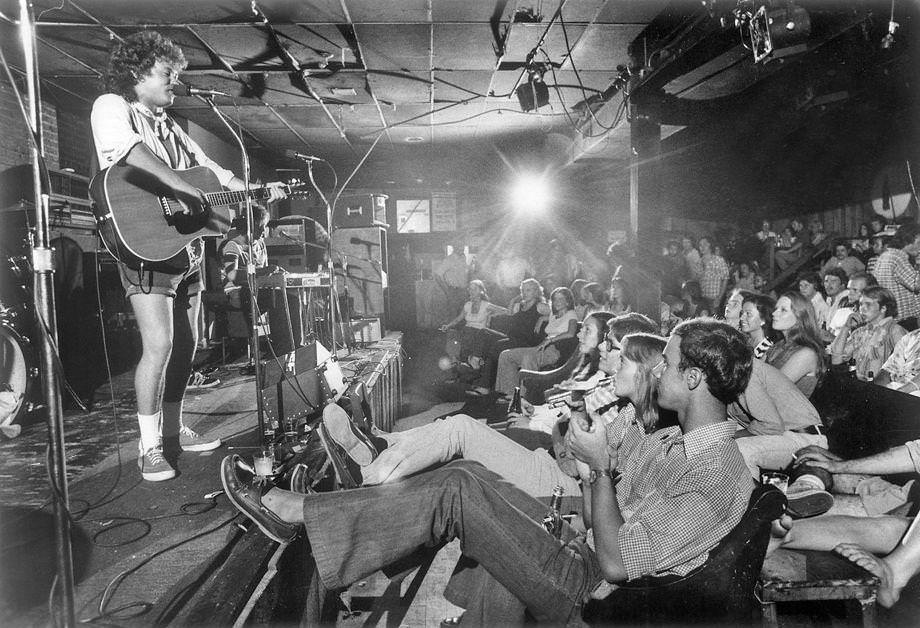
355, 533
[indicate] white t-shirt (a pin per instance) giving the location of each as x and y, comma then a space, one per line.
559, 325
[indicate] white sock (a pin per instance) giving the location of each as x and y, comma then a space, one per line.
150, 429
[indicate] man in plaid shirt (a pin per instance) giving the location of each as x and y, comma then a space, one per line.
895, 272
715, 274
682, 490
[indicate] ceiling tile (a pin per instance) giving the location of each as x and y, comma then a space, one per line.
403, 87
385, 50
603, 46
464, 47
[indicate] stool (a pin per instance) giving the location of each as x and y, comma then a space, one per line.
798, 575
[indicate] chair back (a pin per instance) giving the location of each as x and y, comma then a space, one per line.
719, 591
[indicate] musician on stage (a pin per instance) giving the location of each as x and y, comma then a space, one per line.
283, 307
130, 127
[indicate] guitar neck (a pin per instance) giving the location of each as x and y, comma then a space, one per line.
232, 198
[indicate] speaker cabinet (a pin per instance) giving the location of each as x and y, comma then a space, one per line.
360, 254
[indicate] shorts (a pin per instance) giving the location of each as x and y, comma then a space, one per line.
157, 282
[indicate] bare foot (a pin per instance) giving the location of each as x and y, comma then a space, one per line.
888, 591
780, 530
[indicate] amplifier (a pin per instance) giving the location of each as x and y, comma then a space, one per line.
361, 210
366, 330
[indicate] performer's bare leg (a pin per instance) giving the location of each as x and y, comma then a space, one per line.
179, 368
154, 315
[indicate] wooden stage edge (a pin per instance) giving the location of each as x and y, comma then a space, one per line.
254, 580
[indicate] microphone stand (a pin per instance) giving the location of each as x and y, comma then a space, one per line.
43, 270
333, 294
266, 433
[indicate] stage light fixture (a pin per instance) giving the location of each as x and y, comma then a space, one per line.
534, 93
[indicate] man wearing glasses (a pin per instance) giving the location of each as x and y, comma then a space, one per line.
695, 471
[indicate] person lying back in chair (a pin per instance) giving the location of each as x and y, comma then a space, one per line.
681, 491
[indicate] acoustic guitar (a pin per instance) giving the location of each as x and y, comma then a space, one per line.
143, 225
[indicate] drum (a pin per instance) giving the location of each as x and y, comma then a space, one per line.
18, 376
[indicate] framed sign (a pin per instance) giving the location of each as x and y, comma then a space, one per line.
413, 216
444, 213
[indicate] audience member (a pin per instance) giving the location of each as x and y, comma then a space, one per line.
775, 420
732, 309
452, 276
757, 323
789, 248
809, 283
511, 270
620, 298
861, 539
743, 278
691, 259
862, 243
692, 295
902, 369
766, 232
639, 528
835, 282
561, 324
520, 329
843, 260
895, 272
877, 245
576, 287
714, 278
876, 225
800, 353
869, 336
817, 233
593, 296
464, 340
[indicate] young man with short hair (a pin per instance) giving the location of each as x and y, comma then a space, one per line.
130, 127
681, 491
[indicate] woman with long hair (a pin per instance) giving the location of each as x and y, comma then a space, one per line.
621, 298
799, 355
534, 471
757, 323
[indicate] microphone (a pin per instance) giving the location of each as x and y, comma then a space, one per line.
290, 154
181, 89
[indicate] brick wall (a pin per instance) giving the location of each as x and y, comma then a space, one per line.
14, 139
75, 139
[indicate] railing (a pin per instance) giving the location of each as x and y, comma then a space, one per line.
808, 255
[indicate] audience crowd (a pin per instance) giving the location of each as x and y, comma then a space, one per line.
662, 428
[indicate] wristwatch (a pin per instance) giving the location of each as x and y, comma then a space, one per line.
613, 474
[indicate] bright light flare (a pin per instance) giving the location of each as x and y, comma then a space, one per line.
530, 193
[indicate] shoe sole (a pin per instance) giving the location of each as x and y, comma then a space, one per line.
344, 477
810, 506
210, 445
236, 504
159, 476
342, 431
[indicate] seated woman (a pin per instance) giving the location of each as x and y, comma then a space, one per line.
588, 373
576, 287
466, 343
520, 329
562, 324
800, 353
593, 296
620, 300
869, 336
535, 472
757, 323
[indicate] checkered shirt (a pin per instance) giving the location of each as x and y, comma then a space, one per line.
894, 272
680, 495
904, 362
715, 274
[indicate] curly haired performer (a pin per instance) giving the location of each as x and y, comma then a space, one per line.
131, 128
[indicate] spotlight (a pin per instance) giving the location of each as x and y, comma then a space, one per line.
530, 193
534, 93
773, 29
